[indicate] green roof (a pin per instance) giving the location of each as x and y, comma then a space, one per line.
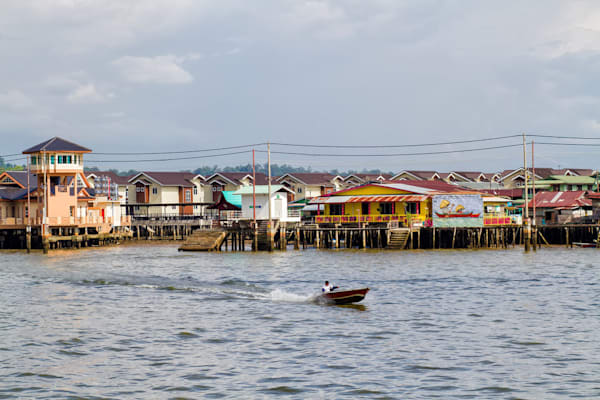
260, 189
232, 198
569, 180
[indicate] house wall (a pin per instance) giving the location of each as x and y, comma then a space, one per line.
169, 194
278, 206
355, 209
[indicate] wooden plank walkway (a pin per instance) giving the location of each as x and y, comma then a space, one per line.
204, 240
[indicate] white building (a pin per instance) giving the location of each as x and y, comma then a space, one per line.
279, 209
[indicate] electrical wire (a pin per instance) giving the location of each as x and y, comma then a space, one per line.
564, 137
393, 145
568, 144
185, 151
172, 159
392, 154
339, 146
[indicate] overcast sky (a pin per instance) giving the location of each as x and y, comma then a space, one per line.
172, 75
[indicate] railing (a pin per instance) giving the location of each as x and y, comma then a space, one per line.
349, 219
12, 221
501, 220
214, 216
89, 220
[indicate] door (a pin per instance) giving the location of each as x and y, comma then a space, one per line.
278, 208
140, 193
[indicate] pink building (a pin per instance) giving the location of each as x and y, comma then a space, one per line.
57, 199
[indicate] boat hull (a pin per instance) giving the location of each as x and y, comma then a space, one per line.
344, 296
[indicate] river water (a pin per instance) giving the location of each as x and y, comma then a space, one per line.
148, 322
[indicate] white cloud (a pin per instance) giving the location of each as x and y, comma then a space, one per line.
86, 94
160, 69
15, 100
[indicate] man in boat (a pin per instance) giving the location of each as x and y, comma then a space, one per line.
328, 287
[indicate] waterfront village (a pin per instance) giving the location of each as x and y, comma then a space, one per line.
57, 203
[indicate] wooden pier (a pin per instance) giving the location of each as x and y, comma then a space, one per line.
382, 237
199, 236
59, 238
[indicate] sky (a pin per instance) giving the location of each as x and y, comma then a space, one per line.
182, 75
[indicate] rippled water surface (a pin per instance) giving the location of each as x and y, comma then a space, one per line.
142, 321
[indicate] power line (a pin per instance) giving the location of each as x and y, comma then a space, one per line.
170, 159
568, 144
332, 154
394, 145
391, 154
564, 137
185, 151
337, 146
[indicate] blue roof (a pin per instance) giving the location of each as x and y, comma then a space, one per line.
231, 198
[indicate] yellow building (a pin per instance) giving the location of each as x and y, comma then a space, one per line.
375, 203
409, 204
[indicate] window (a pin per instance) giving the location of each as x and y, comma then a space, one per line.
386, 208
195, 190
69, 159
365, 208
336, 209
299, 189
188, 196
52, 159
154, 190
412, 208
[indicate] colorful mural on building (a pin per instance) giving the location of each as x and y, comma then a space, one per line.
457, 210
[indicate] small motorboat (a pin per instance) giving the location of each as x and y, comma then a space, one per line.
343, 296
584, 245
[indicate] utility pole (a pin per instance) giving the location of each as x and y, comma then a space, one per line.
255, 241
526, 226
534, 239
28, 232
270, 231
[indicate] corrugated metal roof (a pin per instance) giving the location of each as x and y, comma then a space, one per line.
381, 198
572, 199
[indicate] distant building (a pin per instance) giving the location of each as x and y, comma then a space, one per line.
165, 194
308, 184
229, 181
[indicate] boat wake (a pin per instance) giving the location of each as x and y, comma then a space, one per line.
230, 289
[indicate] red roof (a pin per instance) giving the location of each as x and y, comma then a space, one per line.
574, 199
235, 177
593, 195
311, 178
439, 186
170, 178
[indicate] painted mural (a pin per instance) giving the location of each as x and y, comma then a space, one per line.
457, 210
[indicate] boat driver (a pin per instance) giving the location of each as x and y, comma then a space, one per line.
328, 287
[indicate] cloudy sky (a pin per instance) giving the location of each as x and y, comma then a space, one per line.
176, 75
